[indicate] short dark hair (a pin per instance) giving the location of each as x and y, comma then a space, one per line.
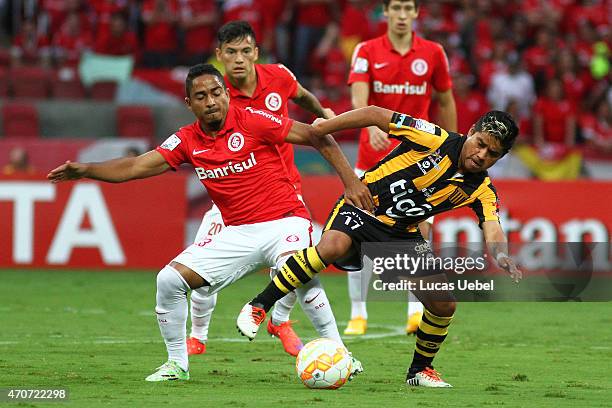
500, 125
199, 70
416, 3
235, 30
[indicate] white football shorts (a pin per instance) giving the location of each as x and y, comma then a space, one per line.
238, 250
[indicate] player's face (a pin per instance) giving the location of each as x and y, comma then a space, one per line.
400, 15
238, 57
480, 151
209, 101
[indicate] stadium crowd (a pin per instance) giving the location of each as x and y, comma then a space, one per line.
545, 61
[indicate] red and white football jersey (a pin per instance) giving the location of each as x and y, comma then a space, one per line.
275, 86
401, 83
241, 167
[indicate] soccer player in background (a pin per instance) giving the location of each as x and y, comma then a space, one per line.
269, 87
399, 71
406, 193
234, 154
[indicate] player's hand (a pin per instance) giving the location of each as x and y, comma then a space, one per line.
507, 263
378, 139
328, 113
67, 171
358, 195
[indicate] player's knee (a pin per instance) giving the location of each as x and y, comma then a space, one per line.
444, 309
170, 282
333, 245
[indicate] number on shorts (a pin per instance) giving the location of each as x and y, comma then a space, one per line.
215, 228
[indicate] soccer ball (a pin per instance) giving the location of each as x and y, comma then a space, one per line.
323, 363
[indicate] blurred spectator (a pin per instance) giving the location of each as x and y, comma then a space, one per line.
19, 162
540, 13
250, 11
30, 47
538, 57
471, 103
198, 19
496, 63
583, 42
597, 128
519, 33
105, 11
555, 117
276, 28
515, 84
576, 82
358, 23
317, 29
524, 121
71, 41
436, 17
160, 36
117, 40
53, 13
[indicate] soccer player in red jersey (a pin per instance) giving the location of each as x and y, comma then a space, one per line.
399, 71
234, 154
268, 87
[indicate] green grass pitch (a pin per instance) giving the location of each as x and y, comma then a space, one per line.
95, 333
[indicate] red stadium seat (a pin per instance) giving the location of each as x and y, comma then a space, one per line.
20, 120
103, 90
65, 84
135, 121
29, 82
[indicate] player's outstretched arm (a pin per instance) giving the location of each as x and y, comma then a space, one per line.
355, 192
148, 164
498, 245
357, 118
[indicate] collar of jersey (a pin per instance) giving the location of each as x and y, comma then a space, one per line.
237, 93
416, 43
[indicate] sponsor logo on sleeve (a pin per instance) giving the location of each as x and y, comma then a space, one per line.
235, 142
360, 66
171, 142
419, 67
425, 126
265, 114
273, 101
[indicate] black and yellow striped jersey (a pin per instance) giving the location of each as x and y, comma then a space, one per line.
420, 177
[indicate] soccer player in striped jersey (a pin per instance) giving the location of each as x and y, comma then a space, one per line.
431, 171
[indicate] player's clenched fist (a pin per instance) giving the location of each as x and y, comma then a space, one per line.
67, 171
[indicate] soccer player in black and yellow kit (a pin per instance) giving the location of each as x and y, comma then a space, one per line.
431, 171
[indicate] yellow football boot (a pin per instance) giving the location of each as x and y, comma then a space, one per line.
356, 326
413, 322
